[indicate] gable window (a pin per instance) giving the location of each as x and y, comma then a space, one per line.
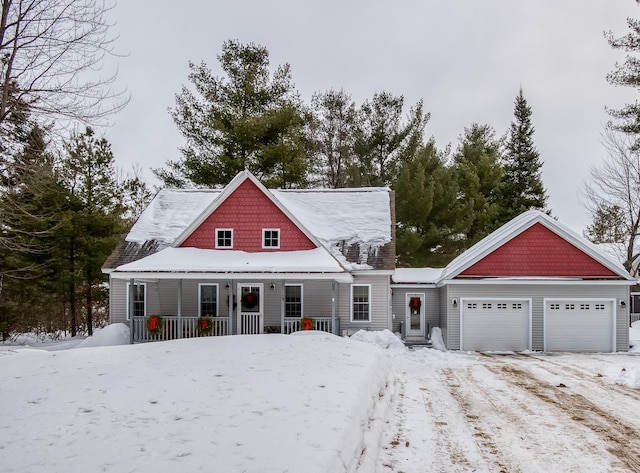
270, 238
360, 303
208, 305
139, 300
293, 300
224, 238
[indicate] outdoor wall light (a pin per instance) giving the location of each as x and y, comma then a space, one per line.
226, 286
454, 302
273, 286
623, 303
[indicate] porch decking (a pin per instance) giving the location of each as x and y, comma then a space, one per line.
174, 327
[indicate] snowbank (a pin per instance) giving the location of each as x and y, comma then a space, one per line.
111, 335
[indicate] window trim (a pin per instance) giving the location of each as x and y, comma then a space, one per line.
264, 241
128, 291
301, 286
216, 285
351, 302
224, 230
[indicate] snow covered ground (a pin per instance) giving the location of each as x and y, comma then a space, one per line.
313, 403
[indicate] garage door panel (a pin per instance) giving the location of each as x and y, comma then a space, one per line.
579, 326
495, 325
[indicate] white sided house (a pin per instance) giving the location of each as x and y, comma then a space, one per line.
250, 260
253, 260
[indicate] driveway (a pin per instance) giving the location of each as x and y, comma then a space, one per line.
487, 412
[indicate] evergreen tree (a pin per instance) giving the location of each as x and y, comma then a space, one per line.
429, 215
627, 74
248, 120
608, 225
479, 170
522, 187
383, 140
94, 221
333, 137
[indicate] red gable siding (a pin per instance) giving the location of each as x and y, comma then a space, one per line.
538, 252
247, 211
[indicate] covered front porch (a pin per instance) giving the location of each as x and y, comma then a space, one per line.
169, 306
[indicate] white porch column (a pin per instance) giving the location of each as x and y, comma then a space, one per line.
333, 309
179, 308
230, 307
131, 322
282, 297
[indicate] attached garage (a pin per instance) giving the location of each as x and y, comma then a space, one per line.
579, 325
495, 324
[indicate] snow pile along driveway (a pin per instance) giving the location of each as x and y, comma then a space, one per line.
259, 403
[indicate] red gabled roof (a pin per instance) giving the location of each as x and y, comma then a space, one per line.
247, 209
538, 252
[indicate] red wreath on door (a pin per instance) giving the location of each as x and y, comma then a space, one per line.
415, 303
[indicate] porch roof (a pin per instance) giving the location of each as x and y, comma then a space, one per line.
189, 263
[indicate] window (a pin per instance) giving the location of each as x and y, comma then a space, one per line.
599, 306
293, 300
208, 306
517, 305
584, 306
139, 300
360, 301
472, 305
554, 306
569, 306
502, 306
271, 238
224, 238
486, 306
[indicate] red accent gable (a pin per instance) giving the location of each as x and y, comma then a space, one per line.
538, 252
247, 211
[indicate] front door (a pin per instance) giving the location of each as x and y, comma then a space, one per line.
250, 320
415, 315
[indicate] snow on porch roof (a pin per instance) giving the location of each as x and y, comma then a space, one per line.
201, 261
331, 215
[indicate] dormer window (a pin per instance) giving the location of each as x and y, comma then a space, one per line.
270, 238
224, 238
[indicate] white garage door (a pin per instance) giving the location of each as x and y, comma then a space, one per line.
579, 325
495, 325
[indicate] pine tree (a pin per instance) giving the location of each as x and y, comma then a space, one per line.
479, 170
383, 139
333, 137
248, 120
522, 187
429, 215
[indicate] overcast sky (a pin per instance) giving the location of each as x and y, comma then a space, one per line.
465, 58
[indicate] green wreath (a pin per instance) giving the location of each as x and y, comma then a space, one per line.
205, 326
154, 324
250, 300
307, 323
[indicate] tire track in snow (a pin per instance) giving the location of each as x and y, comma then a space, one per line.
619, 436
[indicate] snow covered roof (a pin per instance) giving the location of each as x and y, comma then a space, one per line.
353, 225
331, 215
417, 275
199, 261
517, 226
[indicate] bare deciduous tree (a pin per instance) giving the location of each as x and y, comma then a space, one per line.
613, 188
51, 53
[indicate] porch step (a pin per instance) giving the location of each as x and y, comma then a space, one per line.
418, 343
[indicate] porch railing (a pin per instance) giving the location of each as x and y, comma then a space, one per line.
171, 330
634, 318
250, 324
292, 324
